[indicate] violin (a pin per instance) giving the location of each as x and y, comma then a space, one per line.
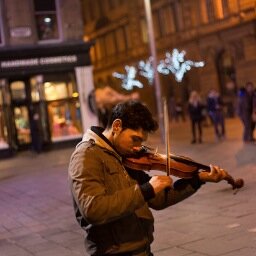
179, 166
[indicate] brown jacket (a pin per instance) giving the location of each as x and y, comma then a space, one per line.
109, 203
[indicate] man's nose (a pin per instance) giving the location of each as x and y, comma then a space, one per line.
137, 148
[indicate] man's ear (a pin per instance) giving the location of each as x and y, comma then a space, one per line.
117, 125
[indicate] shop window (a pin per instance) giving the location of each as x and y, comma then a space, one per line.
55, 91
46, 19
63, 108
18, 90
3, 127
65, 119
22, 125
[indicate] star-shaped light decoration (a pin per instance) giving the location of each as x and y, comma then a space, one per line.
176, 64
128, 79
146, 69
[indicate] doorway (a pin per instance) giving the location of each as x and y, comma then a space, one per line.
20, 108
29, 114
227, 77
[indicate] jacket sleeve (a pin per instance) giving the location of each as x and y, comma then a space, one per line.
87, 177
182, 189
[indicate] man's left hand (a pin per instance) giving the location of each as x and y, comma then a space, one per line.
215, 175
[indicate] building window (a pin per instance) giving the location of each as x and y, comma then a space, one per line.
218, 9
128, 37
113, 3
225, 8
144, 30
89, 11
120, 39
156, 24
210, 10
116, 41
46, 20
167, 20
110, 44
99, 49
246, 5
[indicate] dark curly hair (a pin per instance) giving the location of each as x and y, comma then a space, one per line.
134, 115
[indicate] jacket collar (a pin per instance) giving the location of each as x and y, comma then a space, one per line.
95, 134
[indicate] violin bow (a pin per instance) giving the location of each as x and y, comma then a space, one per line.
167, 136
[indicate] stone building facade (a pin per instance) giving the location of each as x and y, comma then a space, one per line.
219, 32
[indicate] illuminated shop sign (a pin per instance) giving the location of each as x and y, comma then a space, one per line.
66, 59
173, 63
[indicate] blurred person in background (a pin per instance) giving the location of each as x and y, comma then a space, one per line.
215, 110
247, 111
195, 110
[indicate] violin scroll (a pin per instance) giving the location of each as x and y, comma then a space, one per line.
236, 184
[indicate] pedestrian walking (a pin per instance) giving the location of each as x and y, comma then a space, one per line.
247, 111
195, 110
216, 113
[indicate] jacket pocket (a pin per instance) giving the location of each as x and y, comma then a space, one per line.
128, 229
99, 238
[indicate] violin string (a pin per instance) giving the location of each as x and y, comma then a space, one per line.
167, 137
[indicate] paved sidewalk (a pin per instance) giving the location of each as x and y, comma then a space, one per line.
36, 215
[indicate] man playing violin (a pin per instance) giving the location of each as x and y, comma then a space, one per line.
112, 203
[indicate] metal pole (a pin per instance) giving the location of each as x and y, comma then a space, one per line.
154, 56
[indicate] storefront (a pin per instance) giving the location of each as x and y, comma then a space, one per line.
40, 102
